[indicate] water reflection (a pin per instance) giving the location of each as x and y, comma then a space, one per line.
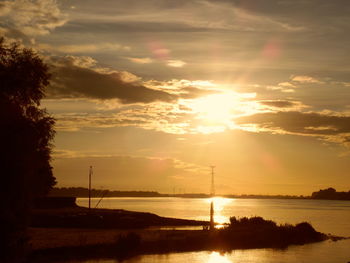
324, 252
216, 257
326, 216
220, 203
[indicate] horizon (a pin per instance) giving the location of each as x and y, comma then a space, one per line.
192, 193
152, 93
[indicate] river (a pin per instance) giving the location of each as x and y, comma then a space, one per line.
326, 216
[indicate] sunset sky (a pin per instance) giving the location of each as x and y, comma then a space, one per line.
151, 93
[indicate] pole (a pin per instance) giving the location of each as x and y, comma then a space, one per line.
90, 173
212, 193
212, 189
212, 223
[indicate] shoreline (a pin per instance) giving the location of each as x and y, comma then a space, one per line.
185, 196
127, 244
65, 241
81, 192
82, 217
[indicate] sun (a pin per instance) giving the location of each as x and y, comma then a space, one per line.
216, 107
214, 112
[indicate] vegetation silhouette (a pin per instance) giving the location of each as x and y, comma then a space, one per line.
84, 192
243, 233
331, 194
95, 218
26, 133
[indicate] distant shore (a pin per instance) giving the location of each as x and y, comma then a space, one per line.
80, 192
79, 234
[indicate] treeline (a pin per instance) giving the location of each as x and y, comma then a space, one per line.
244, 196
84, 192
331, 194
326, 194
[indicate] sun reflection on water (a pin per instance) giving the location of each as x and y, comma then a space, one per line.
216, 257
219, 205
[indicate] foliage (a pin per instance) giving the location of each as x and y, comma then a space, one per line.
84, 192
331, 194
26, 132
258, 232
252, 221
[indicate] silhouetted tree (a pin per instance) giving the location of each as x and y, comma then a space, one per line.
330, 194
26, 132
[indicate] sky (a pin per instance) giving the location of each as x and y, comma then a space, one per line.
152, 93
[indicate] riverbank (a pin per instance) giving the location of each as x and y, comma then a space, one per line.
85, 244
325, 194
82, 217
102, 241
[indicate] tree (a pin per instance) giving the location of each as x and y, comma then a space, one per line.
26, 133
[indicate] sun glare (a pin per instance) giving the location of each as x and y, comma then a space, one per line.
219, 204
215, 108
214, 113
215, 257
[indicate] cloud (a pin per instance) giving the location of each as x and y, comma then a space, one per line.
285, 87
141, 60
30, 18
74, 77
278, 103
81, 61
281, 88
185, 89
329, 127
176, 163
305, 79
283, 104
124, 171
186, 17
165, 117
195, 92
176, 63
170, 62
82, 48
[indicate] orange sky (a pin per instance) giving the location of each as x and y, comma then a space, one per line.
151, 93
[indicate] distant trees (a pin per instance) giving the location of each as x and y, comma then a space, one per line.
26, 133
331, 194
84, 192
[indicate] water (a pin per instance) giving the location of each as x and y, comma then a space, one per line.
326, 216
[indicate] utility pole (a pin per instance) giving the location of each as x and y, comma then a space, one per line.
90, 174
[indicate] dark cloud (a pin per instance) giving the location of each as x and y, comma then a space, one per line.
30, 18
133, 26
299, 123
75, 81
194, 92
306, 11
279, 103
